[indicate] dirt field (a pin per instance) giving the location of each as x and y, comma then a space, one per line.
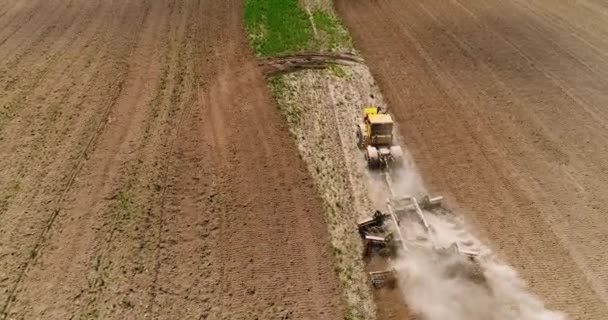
502, 104
146, 173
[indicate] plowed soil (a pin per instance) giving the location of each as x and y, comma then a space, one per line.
146, 173
502, 104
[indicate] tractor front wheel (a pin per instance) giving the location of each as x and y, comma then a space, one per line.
361, 136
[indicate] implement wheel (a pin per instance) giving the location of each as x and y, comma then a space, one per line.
397, 155
371, 155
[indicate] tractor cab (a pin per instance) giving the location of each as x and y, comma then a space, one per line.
380, 129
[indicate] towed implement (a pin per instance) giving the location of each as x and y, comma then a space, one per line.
383, 236
375, 136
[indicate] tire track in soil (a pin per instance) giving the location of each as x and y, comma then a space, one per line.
112, 288
131, 273
484, 119
186, 112
45, 235
190, 160
173, 54
129, 259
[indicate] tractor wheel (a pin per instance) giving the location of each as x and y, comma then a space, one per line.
361, 136
371, 155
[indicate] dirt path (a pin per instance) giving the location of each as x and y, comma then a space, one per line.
502, 106
145, 171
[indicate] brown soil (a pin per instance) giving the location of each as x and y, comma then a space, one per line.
146, 173
501, 104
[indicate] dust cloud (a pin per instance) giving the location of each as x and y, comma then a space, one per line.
439, 286
406, 181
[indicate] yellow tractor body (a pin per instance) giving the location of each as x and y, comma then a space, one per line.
375, 135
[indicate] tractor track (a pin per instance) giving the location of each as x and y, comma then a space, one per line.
163, 197
103, 258
161, 204
156, 147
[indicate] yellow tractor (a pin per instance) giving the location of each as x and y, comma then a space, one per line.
375, 136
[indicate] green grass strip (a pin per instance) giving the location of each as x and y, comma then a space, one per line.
277, 26
329, 24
